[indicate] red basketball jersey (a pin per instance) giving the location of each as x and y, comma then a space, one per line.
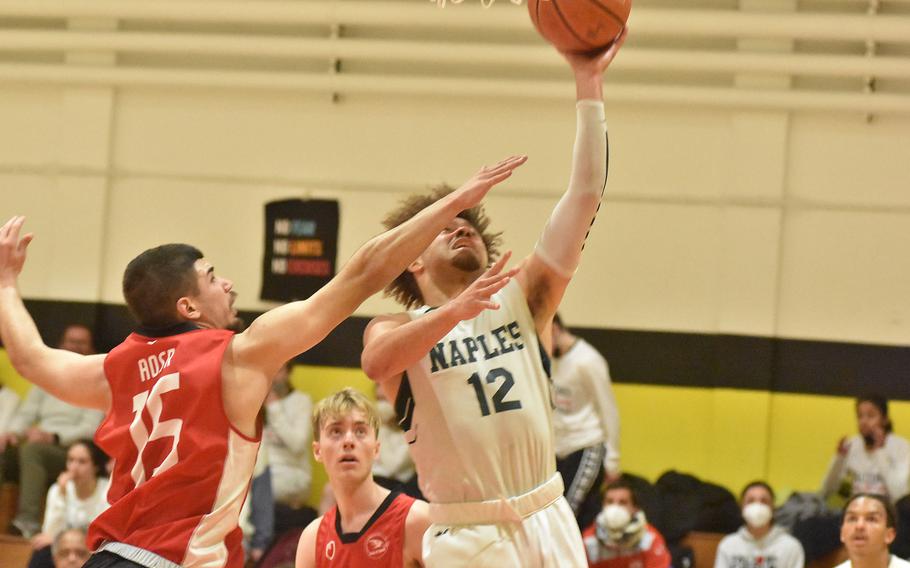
181, 471
380, 544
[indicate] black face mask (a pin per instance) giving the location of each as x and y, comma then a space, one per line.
869, 439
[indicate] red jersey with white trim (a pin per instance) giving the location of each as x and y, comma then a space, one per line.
380, 544
181, 470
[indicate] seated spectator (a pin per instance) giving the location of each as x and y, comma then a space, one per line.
9, 404
867, 531
873, 461
620, 536
33, 450
70, 550
759, 542
288, 436
79, 496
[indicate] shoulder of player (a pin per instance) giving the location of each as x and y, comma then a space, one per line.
418, 518
306, 546
415, 525
308, 536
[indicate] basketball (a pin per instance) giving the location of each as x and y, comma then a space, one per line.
579, 25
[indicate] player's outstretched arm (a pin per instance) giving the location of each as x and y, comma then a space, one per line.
393, 343
71, 377
548, 270
306, 546
284, 332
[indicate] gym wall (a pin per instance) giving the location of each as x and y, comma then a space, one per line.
747, 273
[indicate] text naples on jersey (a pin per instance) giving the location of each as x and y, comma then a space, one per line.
467, 349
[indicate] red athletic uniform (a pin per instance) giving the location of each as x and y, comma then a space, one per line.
182, 471
379, 545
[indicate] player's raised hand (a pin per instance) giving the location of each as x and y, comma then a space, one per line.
12, 250
475, 189
598, 61
478, 296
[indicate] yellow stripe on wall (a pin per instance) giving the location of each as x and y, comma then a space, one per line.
10, 378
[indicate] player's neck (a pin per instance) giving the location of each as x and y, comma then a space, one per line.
876, 560
356, 504
760, 532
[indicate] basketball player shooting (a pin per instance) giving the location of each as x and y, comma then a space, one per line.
468, 369
182, 394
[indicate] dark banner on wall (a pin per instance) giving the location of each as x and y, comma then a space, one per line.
301, 246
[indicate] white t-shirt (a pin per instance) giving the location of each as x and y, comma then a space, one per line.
66, 510
895, 563
586, 410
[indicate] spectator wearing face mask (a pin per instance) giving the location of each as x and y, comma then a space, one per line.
620, 536
873, 461
759, 543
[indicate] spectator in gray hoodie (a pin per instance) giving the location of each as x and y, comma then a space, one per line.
759, 543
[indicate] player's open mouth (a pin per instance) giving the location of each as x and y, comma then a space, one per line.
349, 459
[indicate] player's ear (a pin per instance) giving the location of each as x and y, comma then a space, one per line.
316, 453
187, 309
416, 267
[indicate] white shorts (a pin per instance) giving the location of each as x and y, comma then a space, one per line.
548, 537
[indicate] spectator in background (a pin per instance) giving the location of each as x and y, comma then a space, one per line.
78, 496
585, 423
288, 436
393, 468
759, 542
70, 550
867, 531
621, 536
873, 461
9, 404
34, 447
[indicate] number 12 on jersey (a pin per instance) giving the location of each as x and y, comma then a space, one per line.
499, 402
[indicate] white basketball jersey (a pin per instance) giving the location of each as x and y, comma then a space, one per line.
477, 411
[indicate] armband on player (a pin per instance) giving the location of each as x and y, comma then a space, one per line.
564, 236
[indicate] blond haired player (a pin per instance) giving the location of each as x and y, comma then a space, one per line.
468, 369
369, 526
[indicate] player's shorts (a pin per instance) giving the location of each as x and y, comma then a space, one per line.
537, 529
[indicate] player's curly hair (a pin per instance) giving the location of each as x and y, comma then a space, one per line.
404, 289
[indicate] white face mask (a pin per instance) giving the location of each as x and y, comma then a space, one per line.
615, 517
757, 515
386, 411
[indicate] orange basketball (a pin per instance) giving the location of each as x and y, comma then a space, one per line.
579, 25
